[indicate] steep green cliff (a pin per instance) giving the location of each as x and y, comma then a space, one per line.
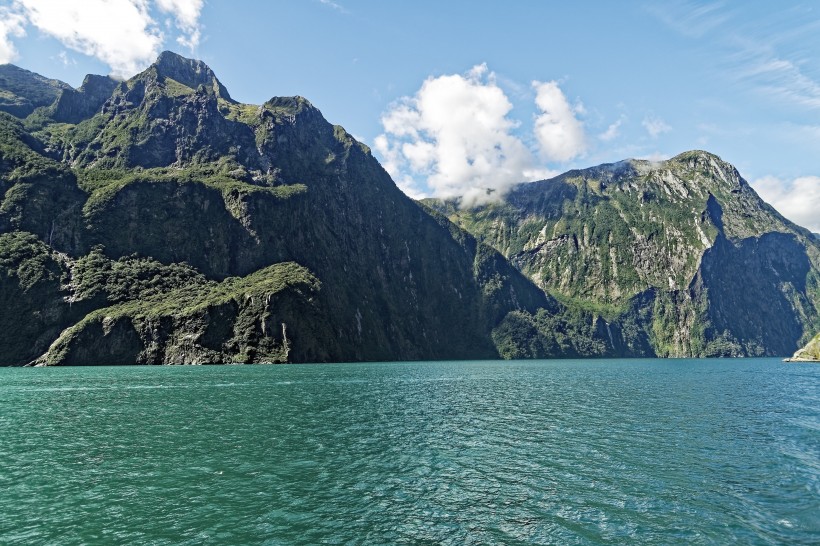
175, 225
681, 254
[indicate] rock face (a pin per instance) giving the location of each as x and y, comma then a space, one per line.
22, 91
809, 353
174, 225
157, 220
683, 255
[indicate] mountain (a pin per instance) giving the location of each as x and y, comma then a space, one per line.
22, 91
809, 353
683, 252
169, 223
157, 220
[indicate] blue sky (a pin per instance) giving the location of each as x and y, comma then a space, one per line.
458, 96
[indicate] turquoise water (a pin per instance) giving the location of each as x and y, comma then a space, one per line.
539, 452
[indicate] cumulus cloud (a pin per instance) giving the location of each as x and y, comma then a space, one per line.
121, 33
798, 199
559, 133
655, 126
11, 24
454, 139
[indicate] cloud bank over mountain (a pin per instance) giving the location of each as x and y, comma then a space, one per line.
124, 34
455, 138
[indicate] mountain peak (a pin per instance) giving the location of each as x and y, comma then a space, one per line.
190, 72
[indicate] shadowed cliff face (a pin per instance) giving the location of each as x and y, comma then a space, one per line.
756, 289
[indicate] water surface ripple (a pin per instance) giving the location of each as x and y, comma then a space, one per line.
539, 452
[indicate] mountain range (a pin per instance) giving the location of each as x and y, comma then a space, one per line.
157, 220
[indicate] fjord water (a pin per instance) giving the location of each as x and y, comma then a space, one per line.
538, 452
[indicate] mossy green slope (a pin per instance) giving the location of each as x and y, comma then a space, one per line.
681, 253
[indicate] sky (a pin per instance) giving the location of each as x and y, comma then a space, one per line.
460, 97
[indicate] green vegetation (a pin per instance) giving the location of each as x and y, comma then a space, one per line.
599, 239
810, 352
27, 259
104, 184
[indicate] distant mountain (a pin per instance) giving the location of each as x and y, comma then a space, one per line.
683, 251
22, 91
157, 220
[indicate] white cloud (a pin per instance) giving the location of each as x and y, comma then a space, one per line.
454, 138
655, 126
11, 24
559, 133
456, 133
779, 78
186, 13
798, 199
334, 5
121, 33
65, 59
613, 131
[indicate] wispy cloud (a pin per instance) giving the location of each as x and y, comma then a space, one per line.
65, 59
613, 131
775, 76
330, 3
693, 19
756, 55
655, 126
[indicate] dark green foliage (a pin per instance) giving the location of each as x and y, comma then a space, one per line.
129, 278
570, 334
32, 297
26, 258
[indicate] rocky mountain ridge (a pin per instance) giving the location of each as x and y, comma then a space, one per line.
686, 244
175, 225
157, 220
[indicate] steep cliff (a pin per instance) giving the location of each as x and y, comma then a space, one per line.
681, 254
171, 180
